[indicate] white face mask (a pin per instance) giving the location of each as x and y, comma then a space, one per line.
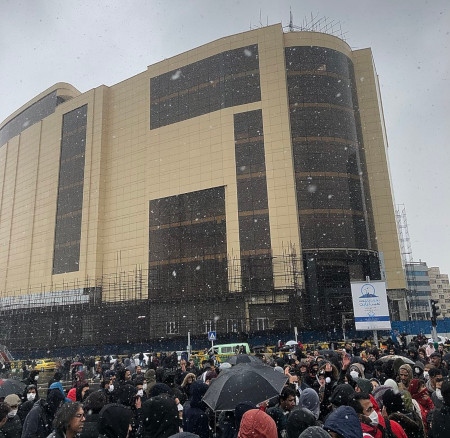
374, 418
111, 388
144, 386
31, 396
36, 377
140, 392
12, 413
354, 374
425, 374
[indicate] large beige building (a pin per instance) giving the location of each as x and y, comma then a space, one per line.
238, 186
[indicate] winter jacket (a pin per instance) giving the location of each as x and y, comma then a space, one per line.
114, 421
440, 424
344, 422
90, 427
37, 423
195, 419
12, 428
160, 417
257, 424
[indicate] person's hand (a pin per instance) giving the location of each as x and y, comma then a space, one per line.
384, 413
345, 361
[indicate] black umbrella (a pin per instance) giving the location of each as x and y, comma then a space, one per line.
243, 358
244, 382
11, 386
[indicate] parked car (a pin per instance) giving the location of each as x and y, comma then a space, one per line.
45, 365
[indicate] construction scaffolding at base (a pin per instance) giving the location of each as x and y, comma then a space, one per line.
116, 309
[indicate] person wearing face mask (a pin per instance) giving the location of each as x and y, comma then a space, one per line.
372, 422
13, 426
33, 378
139, 383
30, 396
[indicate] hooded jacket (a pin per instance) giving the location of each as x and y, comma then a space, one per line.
299, 419
314, 432
38, 423
310, 400
114, 421
345, 422
257, 424
195, 419
160, 417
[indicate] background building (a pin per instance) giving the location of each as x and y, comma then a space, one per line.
236, 187
419, 290
440, 290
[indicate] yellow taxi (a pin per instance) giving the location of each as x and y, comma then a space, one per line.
45, 365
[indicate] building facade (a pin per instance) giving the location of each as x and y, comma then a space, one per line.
238, 186
419, 290
440, 290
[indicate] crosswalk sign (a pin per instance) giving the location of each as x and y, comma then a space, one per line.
212, 336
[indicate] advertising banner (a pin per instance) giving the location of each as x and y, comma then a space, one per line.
370, 305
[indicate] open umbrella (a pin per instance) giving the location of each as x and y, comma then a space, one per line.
396, 356
290, 343
243, 358
11, 386
244, 382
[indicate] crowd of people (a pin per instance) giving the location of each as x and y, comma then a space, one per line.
350, 393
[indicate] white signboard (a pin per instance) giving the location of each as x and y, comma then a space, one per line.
370, 305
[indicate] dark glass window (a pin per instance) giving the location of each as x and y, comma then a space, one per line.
227, 79
66, 255
33, 114
187, 244
254, 226
331, 183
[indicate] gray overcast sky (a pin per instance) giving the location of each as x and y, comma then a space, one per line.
89, 43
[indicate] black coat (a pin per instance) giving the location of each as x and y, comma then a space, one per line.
12, 428
440, 426
90, 428
37, 424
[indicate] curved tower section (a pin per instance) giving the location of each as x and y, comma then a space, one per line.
333, 195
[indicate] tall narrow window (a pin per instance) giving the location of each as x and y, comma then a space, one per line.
66, 253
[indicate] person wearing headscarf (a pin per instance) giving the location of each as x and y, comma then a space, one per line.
419, 392
405, 375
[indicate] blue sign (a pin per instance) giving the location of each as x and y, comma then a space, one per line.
212, 336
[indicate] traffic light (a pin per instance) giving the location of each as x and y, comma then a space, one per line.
435, 312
